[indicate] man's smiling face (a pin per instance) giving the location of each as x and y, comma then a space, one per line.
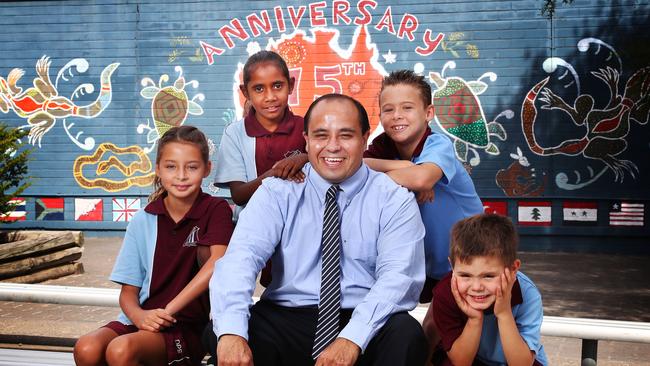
335, 142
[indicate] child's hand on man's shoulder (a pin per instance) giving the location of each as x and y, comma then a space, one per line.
290, 168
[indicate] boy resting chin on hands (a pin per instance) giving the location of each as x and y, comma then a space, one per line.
485, 311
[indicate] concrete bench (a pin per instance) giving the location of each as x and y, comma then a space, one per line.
589, 330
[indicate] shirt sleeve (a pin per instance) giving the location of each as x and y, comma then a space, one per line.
439, 150
230, 164
220, 226
258, 231
447, 316
529, 317
399, 271
128, 269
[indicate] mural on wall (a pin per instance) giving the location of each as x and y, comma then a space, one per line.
137, 173
459, 114
579, 120
342, 13
177, 53
456, 41
318, 62
321, 66
520, 179
170, 105
41, 105
606, 127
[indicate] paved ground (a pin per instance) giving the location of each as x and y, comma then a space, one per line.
573, 285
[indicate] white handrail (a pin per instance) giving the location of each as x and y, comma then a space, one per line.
582, 328
64, 295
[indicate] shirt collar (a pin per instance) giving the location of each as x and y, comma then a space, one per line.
255, 129
197, 210
517, 297
349, 187
390, 148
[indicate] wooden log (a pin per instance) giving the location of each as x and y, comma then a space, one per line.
30, 247
18, 235
31, 264
48, 274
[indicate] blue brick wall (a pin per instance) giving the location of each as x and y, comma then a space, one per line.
508, 45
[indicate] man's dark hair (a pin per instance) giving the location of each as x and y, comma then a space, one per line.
408, 77
484, 235
361, 111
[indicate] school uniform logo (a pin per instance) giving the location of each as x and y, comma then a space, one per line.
193, 239
177, 355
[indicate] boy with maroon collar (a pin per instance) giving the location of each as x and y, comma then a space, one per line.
425, 163
486, 311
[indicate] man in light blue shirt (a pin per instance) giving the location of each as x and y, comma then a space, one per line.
381, 258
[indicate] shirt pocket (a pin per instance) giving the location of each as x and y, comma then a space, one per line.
359, 260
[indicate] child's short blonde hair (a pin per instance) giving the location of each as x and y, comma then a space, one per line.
408, 77
484, 235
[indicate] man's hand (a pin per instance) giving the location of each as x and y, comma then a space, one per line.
425, 196
341, 352
504, 292
289, 168
462, 304
154, 320
233, 350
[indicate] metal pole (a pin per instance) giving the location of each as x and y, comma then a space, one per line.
67, 295
589, 352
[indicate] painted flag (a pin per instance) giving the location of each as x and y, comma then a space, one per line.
49, 208
534, 213
579, 213
19, 213
626, 214
496, 207
88, 209
125, 208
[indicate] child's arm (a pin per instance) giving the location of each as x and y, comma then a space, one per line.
417, 178
385, 165
463, 351
198, 284
241, 192
515, 349
291, 167
414, 177
152, 320
421, 177
287, 168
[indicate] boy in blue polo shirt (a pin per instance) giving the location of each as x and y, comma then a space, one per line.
425, 163
486, 311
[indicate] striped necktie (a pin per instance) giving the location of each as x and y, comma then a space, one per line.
330, 288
